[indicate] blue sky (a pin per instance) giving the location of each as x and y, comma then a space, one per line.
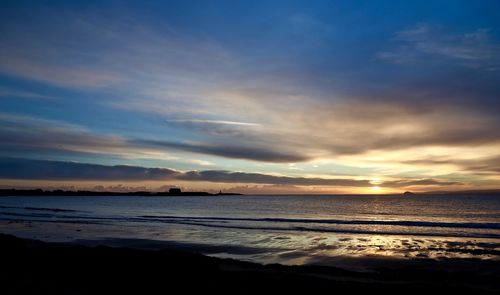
381, 92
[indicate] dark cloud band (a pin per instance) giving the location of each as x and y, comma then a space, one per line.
28, 169
227, 151
14, 168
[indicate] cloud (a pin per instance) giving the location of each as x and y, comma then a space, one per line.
239, 111
331, 131
274, 189
87, 51
474, 49
6, 92
243, 177
13, 168
490, 165
419, 182
217, 127
216, 122
28, 169
260, 105
321, 129
16, 168
253, 152
480, 165
21, 133
354, 128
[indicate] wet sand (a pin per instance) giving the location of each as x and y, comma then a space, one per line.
35, 267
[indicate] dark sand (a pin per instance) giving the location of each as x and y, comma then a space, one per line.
34, 267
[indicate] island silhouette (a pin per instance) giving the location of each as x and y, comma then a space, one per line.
171, 192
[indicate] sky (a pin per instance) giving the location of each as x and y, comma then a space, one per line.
268, 97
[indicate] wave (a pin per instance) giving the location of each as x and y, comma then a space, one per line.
346, 231
293, 224
291, 221
340, 221
39, 209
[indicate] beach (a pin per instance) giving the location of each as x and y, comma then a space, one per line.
35, 267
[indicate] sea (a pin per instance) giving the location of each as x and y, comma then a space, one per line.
285, 229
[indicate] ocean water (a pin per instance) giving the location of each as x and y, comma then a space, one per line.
270, 229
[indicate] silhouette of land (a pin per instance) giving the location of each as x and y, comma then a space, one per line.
40, 192
34, 267
176, 192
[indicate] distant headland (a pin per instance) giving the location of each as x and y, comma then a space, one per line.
40, 192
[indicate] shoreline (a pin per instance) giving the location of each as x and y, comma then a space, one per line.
83, 193
35, 267
12, 192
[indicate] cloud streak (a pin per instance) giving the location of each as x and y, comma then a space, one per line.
254, 152
216, 122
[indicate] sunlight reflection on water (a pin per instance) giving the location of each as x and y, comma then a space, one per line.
307, 229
